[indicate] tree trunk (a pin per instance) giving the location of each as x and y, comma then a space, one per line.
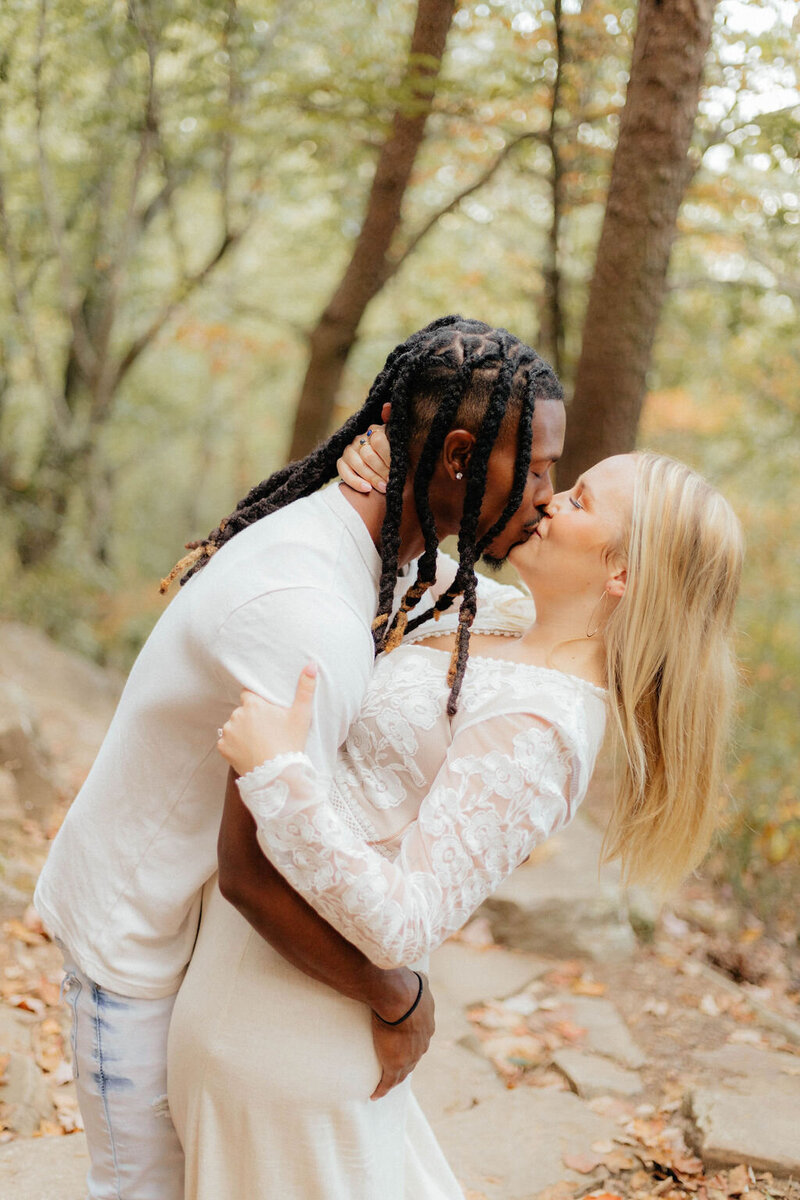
649, 176
551, 325
335, 333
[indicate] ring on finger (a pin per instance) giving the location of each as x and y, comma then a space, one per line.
219, 733
362, 441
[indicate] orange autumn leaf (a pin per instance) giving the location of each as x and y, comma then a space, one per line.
20, 933
583, 1163
588, 987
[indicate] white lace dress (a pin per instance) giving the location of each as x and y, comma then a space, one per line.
270, 1072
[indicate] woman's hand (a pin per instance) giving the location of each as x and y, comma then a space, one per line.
364, 464
258, 730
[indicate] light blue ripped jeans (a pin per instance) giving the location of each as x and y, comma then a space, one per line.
119, 1050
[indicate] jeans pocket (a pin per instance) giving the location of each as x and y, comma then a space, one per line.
71, 989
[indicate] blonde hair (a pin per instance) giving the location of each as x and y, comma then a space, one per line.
670, 670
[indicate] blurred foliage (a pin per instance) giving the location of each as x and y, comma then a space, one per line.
181, 184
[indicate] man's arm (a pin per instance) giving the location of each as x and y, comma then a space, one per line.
256, 889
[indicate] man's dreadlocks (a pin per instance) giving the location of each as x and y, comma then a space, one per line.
454, 373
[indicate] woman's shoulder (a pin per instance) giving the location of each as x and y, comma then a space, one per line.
499, 688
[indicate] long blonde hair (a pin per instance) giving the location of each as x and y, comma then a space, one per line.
670, 670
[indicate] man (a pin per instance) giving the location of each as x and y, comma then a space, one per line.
121, 890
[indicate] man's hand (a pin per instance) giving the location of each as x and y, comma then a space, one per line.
400, 1048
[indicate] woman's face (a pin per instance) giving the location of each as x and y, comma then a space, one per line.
572, 550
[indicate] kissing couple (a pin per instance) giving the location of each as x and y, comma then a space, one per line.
245, 950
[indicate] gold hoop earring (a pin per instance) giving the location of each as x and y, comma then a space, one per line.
605, 596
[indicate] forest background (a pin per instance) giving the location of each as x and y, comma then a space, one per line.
217, 218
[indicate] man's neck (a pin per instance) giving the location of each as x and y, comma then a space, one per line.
371, 507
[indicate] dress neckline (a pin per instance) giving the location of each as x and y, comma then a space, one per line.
476, 658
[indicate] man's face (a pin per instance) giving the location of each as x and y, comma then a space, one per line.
549, 424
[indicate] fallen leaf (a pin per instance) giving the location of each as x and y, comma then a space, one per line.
49, 992
588, 987
568, 1031
62, 1074
549, 1078
563, 1190
31, 920
49, 1129
584, 1163
657, 1008
709, 1006
20, 933
68, 1113
602, 1147
523, 1004
610, 1106
48, 1044
618, 1160
738, 1181
747, 1037
28, 1003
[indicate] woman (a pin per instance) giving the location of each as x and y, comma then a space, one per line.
634, 579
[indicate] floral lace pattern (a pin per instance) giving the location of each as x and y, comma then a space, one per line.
457, 803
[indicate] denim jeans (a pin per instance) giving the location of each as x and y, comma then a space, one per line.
119, 1052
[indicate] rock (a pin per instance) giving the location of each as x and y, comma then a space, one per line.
751, 1112
10, 805
560, 903
26, 1095
22, 754
73, 699
50, 1168
511, 1146
15, 1032
472, 974
450, 1079
592, 1075
606, 1032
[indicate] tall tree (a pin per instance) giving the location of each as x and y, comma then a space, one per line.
369, 267
99, 239
649, 176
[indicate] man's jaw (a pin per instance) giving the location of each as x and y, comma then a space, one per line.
494, 563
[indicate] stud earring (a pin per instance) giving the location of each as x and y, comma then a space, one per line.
459, 474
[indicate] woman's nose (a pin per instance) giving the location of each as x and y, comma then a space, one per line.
556, 503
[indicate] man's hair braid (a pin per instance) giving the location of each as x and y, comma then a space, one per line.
454, 372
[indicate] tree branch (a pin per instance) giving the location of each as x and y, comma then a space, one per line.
187, 287
396, 261
84, 351
20, 296
718, 135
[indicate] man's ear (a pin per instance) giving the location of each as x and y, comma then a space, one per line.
457, 451
617, 583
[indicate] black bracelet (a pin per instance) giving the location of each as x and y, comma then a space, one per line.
405, 1016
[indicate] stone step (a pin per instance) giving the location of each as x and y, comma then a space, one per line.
511, 1146
48, 1168
561, 904
751, 1112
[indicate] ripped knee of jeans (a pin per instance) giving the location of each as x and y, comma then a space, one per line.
160, 1107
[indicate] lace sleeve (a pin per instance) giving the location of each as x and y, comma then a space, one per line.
503, 789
